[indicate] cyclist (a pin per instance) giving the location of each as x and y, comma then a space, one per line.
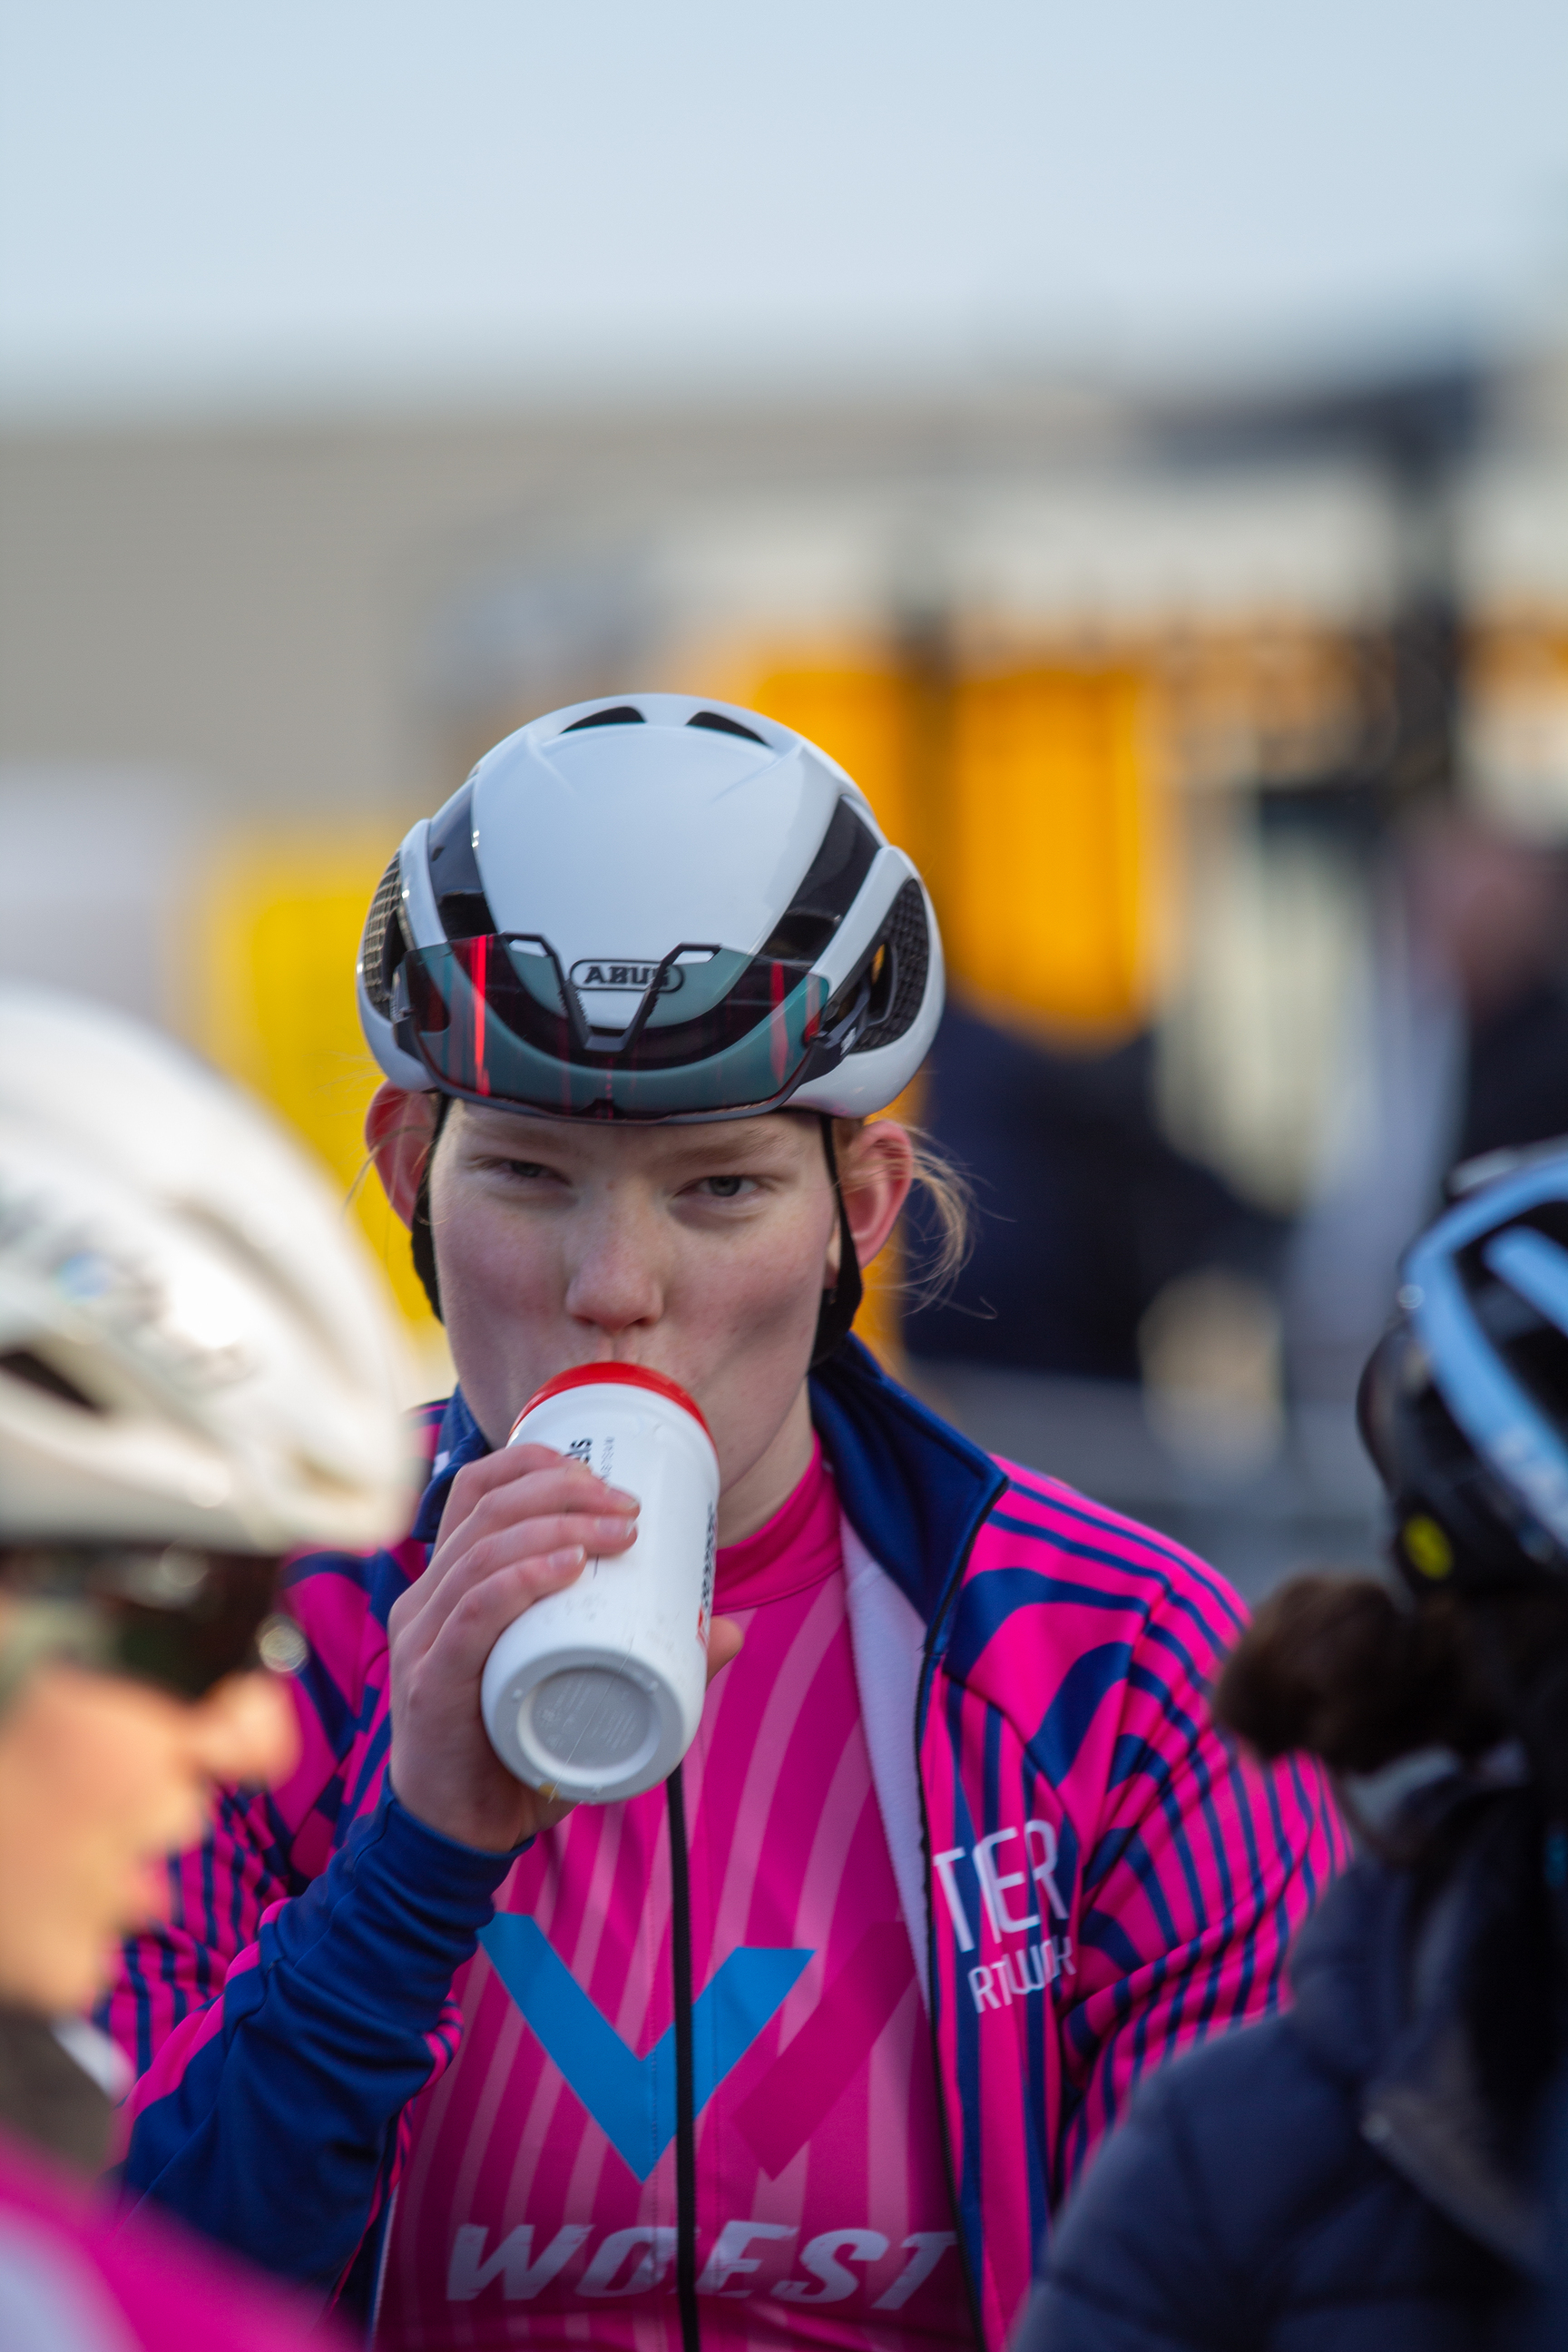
173, 1414
955, 1856
1384, 2165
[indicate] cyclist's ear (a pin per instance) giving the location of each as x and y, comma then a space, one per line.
876, 1169
399, 1129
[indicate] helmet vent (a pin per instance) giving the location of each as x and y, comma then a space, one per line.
828, 890
455, 876
908, 939
717, 722
382, 931
623, 715
21, 1364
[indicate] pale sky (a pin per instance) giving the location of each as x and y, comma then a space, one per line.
204, 201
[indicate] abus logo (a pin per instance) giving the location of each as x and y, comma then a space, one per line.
612, 971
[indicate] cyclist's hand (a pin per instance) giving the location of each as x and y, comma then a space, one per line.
519, 1523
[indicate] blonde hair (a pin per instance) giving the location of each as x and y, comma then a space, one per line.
947, 1192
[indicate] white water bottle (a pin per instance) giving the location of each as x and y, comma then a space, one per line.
595, 1691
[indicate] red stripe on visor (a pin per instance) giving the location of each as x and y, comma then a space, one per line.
778, 1037
481, 977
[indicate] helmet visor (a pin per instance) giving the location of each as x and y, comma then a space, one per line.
715, 1033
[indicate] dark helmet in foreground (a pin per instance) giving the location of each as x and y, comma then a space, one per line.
1464, 1404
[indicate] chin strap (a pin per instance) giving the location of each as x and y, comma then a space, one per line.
840, 1304
422, 1240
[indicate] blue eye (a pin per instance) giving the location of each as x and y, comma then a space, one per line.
724, 1188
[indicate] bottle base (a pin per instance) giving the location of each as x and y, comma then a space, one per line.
587, 1728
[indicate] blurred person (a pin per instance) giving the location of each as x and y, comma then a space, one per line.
954, 1856
1386, 2163
173, 1415
1090, 1212
1488, 908
1461, 1050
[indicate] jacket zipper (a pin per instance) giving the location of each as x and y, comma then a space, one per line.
685, 2095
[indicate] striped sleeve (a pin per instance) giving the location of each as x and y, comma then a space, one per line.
1196, 1866
266, 1846
269, 2118
262, 1847
1111, 1883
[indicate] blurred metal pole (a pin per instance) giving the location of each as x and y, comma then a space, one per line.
926, 655
1420, 442
1416, 431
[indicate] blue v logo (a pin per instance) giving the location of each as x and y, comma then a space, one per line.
631, 2099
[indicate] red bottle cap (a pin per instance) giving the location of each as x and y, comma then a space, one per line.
630, 1376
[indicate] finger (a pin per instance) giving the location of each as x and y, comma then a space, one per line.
501, 1525
507, 1464
491, 1525
522, 1489
586, 1534
506, 1468
504, 1526
724, 1641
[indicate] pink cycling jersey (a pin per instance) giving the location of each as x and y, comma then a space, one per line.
539, 2203
1094, 1881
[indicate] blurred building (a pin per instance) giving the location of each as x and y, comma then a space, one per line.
1233, 734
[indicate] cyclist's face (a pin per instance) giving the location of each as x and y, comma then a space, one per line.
699, 1251
99, 1778
702, 1251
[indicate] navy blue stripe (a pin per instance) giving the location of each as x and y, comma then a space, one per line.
1208, 2002
1243, 1997
1308, 1814
1156, 1973
1057, 1740
991, 1598
1075, 1548
1083, 1508
966, 2022
376, 1750
237, 1922
979, 1593
1174, 1813
1039, 2168
143, 2005
990, 1769
1101, 1931
1281, 1905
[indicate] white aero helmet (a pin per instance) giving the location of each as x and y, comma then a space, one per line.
193, 1347
654, 908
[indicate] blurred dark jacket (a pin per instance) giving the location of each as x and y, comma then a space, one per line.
1355, 2175
1516, 1074
1086, 1211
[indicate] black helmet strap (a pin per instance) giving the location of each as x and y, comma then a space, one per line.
421, 1239
839, 1304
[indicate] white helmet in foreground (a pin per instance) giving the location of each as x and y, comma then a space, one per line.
194, 1349
653, 908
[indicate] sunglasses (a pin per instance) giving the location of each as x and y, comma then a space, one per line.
168, 1614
